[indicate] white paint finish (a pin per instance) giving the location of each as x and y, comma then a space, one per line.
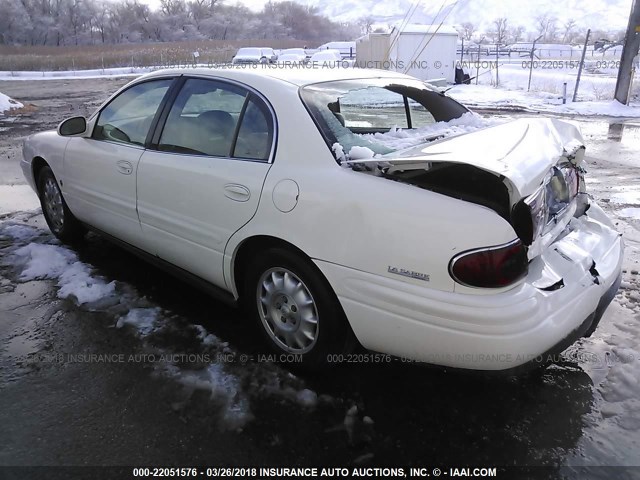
96, 189
185, 209
285, 195
492, 332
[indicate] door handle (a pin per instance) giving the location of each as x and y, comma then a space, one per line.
236, 192
124, 167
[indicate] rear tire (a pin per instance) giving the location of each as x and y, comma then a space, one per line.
296, 309
59, 218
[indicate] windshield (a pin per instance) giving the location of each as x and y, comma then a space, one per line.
376, 113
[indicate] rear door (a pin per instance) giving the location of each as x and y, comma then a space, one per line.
100, 171
202, 178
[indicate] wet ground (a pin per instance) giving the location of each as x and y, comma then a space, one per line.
149, 371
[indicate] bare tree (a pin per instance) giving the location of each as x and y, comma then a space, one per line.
468, 29
517, 33
568, 31
366, 24
81, 22
547, 27
500, 32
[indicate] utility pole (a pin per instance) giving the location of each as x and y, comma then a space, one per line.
629, 51
478, 61
533, 49
581, 66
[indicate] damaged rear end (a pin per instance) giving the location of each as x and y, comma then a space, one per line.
530, 172
526, 297
565, 250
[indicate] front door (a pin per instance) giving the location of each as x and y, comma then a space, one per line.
100, 171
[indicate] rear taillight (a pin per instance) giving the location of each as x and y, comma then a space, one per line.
490, 267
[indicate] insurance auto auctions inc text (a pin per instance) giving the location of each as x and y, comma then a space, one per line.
375, 472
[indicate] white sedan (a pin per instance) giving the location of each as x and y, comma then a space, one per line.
254, 55
291, 59
343, 205
325, 58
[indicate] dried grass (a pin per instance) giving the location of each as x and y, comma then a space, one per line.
47, 58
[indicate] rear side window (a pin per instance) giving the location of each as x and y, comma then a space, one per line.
217, 119
127, 118
256, 132
203, 119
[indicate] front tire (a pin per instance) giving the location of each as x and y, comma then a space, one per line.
59, 218
296, 308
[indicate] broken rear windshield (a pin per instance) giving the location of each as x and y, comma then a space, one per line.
352, 112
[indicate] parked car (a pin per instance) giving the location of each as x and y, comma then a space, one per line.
248, 55
292, 55
291, 59
269, 54
479, 250
294, 51
325, 57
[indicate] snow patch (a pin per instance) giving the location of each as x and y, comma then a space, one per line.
19, 232
7, 103
338, 151
58, 263
631, 213
144, 320
223, 387
15, 198
622, 383
398, 139
628, 197
512, 95
307, 398
360, 153
205, 337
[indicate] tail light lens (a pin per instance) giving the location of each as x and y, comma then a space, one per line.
533, 216
490, 267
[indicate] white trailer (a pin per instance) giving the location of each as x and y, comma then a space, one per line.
427, 52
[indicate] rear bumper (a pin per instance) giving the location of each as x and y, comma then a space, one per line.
501, 331
586, 328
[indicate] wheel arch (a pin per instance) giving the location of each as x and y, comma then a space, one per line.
256, 244
252, 246
37, 164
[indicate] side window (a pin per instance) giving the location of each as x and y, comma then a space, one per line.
203, 118
127, 118
256, 132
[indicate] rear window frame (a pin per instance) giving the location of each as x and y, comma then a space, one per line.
327, 133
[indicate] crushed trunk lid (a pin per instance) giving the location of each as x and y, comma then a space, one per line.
521, 151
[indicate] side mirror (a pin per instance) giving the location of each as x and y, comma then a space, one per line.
72, 126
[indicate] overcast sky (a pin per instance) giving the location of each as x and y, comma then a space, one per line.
594, 14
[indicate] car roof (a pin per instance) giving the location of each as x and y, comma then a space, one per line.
302, 75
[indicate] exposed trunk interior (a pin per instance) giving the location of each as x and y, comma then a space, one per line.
464, 182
